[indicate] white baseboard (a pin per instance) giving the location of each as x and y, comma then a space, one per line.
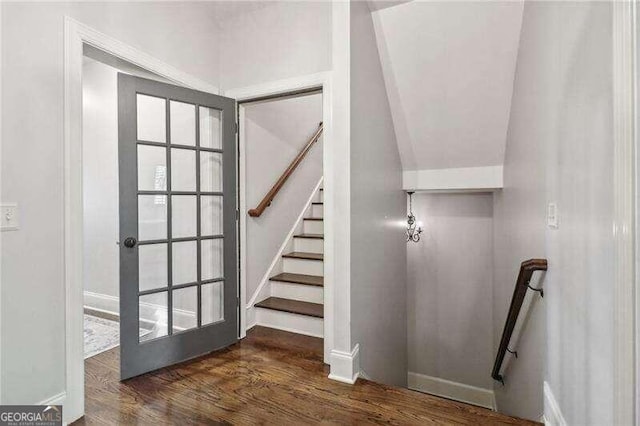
552, 413
102, 302
149, 312
452, 390
57, 399
345, 366
250, 314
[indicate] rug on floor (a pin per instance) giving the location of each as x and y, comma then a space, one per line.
100, 334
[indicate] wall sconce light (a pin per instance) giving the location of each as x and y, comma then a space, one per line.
413, 233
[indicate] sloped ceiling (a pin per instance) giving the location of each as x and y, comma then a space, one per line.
292, 120
449, 69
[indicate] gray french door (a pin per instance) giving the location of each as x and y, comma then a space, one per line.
178, 256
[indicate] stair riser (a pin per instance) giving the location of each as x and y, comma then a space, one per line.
317, 210
303, 293
321, 196
303, 266
309, 245
301, 324
313, 227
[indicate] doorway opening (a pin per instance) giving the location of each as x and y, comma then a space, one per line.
160, 176
101, 249
282, 211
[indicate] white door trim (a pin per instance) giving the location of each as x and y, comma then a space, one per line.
321, 81
75, 35
1, 400
624, 232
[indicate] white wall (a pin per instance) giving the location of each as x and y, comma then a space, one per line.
378, 248
100, 179
281, 40
560, 149
580, 326
32, 334
276, 132
449, 289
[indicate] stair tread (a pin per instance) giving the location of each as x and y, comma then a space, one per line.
304, 255
315, 236
289, 277
314, 218
317, 204
292, 306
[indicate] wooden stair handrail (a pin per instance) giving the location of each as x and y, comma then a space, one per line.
527, 268
266, 201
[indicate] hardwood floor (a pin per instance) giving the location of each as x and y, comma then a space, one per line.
271, 377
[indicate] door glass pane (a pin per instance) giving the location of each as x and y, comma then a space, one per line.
210, 171
183, 216
210, 128
152, 118
152, 217
153, 316
183, 123
183, 170
210, 215
212, 302
152, 266
212, 258
185, 303
152, 167
184, 262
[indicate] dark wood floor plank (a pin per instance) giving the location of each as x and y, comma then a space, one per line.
271, 377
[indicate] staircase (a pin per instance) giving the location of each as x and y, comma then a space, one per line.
296, 294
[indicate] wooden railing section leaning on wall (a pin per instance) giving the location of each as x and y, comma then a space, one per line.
527, 268
266, 201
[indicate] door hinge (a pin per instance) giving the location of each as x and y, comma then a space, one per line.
236, 128
237, 215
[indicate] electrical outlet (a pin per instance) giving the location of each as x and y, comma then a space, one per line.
552, 215
8, 217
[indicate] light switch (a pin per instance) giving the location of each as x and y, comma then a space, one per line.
552, 215
8, 217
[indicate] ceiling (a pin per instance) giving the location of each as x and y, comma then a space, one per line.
227, 10
449, 69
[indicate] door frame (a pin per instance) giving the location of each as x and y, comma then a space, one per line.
76, 35
319, 81
626, 360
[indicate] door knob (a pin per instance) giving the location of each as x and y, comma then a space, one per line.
130, 242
